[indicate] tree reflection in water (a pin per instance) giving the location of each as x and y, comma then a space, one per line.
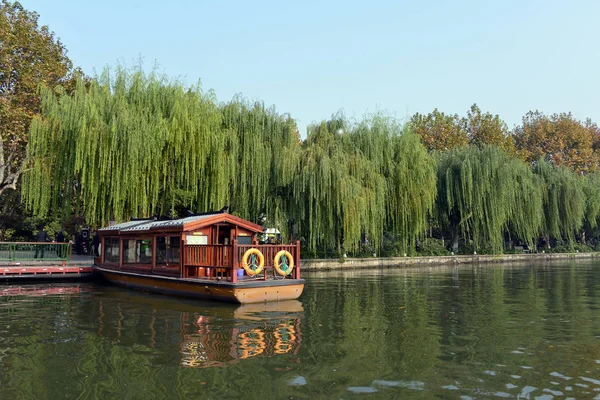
472, 331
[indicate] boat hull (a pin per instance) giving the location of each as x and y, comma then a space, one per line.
241, 292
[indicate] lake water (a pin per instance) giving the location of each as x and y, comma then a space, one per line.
505, 331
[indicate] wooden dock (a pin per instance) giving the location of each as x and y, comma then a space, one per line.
78, 268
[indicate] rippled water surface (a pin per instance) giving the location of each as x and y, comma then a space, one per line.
529, 332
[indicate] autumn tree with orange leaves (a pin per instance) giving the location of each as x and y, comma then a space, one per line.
442, 132
30, 56
488, 129
439, 131
560, 139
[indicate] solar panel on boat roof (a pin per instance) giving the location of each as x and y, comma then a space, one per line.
125, 225
147, 224
166, 224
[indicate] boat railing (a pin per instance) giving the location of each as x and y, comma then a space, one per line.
214, 255
224, 261
34, 251
269, 252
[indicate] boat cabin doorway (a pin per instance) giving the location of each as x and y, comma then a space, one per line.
223, 233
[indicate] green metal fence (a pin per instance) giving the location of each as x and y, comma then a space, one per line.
29, 251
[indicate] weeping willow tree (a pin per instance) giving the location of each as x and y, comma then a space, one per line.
338, 193
409, 171
564, 202
591, 189
483, 192
361, 180
126, 145
526, 216
412, 188
137, 144
265, 148
134, 144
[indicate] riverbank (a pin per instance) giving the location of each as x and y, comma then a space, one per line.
399, 262
374, 262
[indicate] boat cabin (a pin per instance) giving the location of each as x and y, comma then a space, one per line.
209, 246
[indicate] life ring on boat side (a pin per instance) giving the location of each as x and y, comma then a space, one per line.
250, 263
284, 268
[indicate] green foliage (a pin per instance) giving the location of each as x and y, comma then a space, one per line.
134, 144
525, 217
30, 55
482, 192
564, 203
137, 144
409, 172
354, 180
263, 149
591, 189
432, 247
338, 192
562, 247
390, 246
412, 190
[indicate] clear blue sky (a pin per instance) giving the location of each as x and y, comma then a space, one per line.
312, 58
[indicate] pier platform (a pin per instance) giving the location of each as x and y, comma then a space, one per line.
78, 267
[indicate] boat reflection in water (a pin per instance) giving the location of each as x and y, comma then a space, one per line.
265, 329
40, 290
198, 333
204, 334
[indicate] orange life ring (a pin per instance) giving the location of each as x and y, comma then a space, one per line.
284, 338
252, 343
279, 264
251, 267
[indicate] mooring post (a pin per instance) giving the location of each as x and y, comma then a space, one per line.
234, 262
297, 259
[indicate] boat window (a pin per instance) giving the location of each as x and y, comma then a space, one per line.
111, 249
168, 250
137, 251
244, 239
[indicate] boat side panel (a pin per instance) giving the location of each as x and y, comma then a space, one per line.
273, 293
201, 290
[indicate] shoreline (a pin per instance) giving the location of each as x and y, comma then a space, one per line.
429, 261
327, 264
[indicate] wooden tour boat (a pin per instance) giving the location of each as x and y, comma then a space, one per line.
213, 256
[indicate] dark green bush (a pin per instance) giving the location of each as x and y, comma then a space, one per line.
432, 247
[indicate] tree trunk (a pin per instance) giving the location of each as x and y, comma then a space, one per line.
454, 229
8, 177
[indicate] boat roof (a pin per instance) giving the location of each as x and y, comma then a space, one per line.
181, 224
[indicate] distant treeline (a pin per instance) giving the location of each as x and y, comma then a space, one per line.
134, 144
